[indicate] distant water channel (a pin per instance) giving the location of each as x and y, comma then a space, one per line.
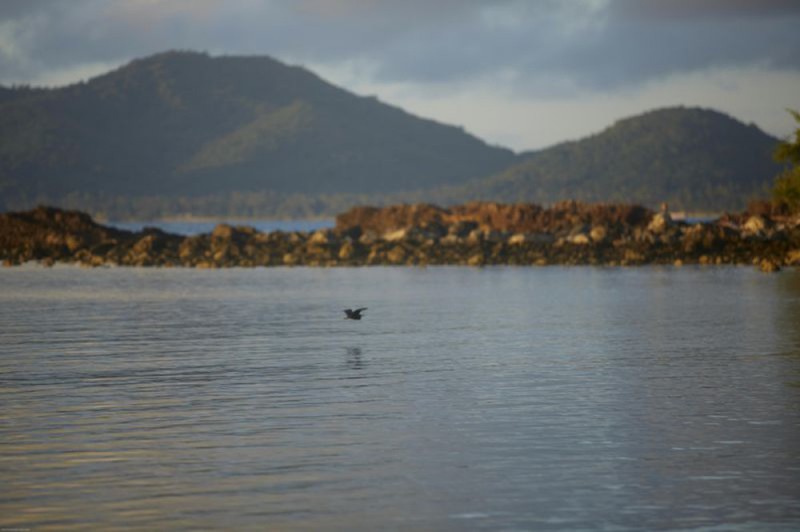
466, 399
196, 227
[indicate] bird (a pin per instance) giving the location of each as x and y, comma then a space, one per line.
354, 314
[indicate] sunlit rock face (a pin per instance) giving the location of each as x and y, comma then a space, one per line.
475, 234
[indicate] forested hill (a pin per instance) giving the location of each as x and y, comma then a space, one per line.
187, 133
695, 159
184, 124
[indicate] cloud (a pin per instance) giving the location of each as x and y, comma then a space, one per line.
597, 44
531, 54
509, 118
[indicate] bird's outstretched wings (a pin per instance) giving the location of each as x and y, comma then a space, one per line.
354, 314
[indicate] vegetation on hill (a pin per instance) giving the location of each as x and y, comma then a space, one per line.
694, 159
185, 133
787, 185
186, 125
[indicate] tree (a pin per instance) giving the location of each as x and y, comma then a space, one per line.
786, 191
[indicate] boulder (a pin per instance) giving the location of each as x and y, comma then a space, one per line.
660, 222
74, 242
347, 251
580, 239
223, 231
322, 237
395, 236
368, 238
192, 247
518, 238
793, 257
755, 226
769, 266
397, 255
462, 228
598, 233
451, 240
491, 235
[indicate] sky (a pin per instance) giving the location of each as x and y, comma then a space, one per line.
521, 74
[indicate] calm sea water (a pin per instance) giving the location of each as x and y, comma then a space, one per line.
466, 399
189, 228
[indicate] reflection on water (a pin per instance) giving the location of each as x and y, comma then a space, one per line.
354, 359
468, 399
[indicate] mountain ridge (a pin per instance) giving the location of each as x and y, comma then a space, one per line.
693, 158
187, 133
158, 125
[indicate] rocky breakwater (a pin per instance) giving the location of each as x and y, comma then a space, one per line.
474, 234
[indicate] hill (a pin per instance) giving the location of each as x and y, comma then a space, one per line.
181, 129
187, 133
695, 159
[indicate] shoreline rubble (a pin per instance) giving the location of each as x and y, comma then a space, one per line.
474, 234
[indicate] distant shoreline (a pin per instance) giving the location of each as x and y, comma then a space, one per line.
676, 215
209, 219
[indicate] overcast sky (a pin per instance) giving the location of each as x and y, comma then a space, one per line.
523, 74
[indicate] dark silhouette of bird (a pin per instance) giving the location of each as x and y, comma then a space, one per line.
354, 314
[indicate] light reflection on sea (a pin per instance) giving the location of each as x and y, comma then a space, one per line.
466, 399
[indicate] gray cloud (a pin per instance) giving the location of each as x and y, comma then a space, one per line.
585, 45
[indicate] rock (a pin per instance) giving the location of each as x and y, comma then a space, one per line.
397, 255
394, 236
192, 246
74, 242
222, 231
769, 266
433, 230
347, 251
633, 256
493, 236
475, 236
598, 233
321, 237
462, 228
580, 239
519, 238
451, 240
755, 226
476, 260
660, 222
368, 238
295, 237
375, 256
144, 245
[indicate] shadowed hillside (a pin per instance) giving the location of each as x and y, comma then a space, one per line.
696, 159
186, 133
186, 124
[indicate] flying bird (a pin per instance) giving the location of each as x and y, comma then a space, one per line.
354, 314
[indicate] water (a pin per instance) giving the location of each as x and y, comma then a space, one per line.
193, 227
466, 399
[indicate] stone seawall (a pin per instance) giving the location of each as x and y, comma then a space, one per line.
474, 234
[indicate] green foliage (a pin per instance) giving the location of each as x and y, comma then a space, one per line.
186, 125
786, 191
185, 133
694, 159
